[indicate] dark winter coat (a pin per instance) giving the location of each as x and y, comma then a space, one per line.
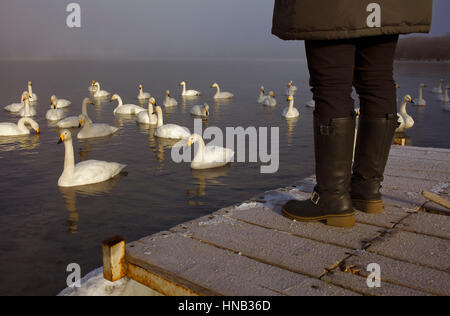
344, 19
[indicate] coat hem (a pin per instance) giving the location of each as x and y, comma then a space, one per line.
349, 34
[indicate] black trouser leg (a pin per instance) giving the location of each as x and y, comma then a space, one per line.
376, 87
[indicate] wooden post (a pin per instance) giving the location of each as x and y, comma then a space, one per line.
114, 267
436, 199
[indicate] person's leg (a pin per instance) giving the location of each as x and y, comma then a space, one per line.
331, 66
376, 87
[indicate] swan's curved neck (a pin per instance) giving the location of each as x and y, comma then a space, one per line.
98, 87
421, 93
160, 118
291, 104
69, 159
150, 109
141, 92
199, 157
21, 124
403, 110
184, 88
84, 108
218, 90
30, 89
120, 103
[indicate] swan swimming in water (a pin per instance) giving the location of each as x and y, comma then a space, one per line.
86, 172
169, 101
16, 107
147, 117
420, 100
19, 129
73, 121
200, 110
404, 119
33, 96
92, 88
208, 157
60, 103
130, 109
261, 97
439, 89
55, 114
291, 90
290, 111
221, 95
188, 93
142, 96
93, 130
170, 131
445, 98
270, 100
99, 93
27, 111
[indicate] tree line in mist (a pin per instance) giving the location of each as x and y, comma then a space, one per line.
424, 48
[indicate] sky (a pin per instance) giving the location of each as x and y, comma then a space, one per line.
149, 29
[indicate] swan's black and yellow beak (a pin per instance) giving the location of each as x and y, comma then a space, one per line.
190, 142
61, 138
91, 102
37, 130
80, 123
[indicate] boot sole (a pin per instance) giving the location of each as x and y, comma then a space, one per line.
369, 207
345, 220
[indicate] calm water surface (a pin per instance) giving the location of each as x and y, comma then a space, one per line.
44, 228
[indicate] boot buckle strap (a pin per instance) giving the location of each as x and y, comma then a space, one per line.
315, 198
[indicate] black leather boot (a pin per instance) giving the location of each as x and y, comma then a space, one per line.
330, 201
373, 143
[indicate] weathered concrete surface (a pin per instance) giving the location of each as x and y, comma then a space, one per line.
251, 249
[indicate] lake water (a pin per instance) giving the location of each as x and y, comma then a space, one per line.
44, 228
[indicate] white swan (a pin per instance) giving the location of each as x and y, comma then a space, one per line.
92, 88
170, 101
86, 172
148, 117
16, 107
11, 129
291, 90
170, 131
93, 130
444, 98
221, 95
188, 93
420, 100
55, 114
270, 100
404, 119
142, 96
27, 111
208, 157
130, 109
60, 103
261, 96
290, 111
99, 93
200, 110
439, 89
33, 96
73, 121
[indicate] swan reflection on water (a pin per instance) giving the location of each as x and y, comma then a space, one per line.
89, 191
291, 124
201, 179
25, 142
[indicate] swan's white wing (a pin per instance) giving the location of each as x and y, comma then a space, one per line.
68, 122
97, 130
214, 157
130, 109
62, 103
172, 131
14, 108
10, 129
